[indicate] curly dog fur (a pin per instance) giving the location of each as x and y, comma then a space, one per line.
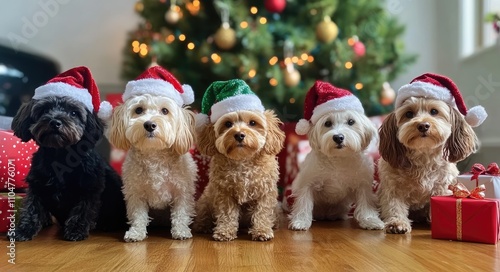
337, 173
243, 175
68, 179
420, 144
158, 171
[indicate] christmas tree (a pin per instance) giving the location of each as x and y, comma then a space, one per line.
278, 47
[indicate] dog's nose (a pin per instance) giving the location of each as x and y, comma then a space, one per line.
338, 138
239, 137
423, 127
149, 126
55, 124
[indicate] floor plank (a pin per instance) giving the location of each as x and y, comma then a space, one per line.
328, 246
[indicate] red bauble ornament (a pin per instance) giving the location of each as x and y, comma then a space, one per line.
275, 6
359, 49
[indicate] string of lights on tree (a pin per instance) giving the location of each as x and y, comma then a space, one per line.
246, 44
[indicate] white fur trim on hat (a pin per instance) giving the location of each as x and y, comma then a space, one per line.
425, 90
188, 95
235, 103
105, 111
302, 127
61, 89
476, 116
349, 102
153, 87
200, 120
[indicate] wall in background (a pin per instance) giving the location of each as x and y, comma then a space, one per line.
90, 33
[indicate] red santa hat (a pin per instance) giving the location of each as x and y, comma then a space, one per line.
78, 84
324, 98
158, 81
441, 88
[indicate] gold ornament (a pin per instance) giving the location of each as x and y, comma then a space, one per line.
291, 77
172, 16
139, 6
225, 37
327, 30
388, 94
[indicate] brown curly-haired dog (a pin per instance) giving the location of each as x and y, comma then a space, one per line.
243, 174
420, 143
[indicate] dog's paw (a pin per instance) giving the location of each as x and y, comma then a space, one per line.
397, 226
181, 234
75, 236
299, 225
20, 237
371, 223
261, 235
134, 236
224, 236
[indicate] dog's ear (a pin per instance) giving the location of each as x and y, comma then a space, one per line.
94, 128
22, 122
462, 141
116, 131
391, 150
370, 132
184, 138
205, 139
275, 136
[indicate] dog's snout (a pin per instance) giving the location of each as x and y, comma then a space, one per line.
338, 138
55, 124
423, 127
239, 137
149, 126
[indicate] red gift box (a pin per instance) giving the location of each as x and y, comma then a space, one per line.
465, 219
10, 204
15, 161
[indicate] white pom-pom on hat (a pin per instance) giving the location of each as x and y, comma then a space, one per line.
476, 116
302, 127
105, 111
201, 120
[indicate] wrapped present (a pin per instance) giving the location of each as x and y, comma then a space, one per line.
295, 150
465, 216
15, 161
117, 156
10, 204
202, 162
489, 177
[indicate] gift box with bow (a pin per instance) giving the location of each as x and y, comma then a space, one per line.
15, 161
479, 175
465, 216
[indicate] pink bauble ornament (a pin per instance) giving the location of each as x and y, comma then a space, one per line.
275, 6
359, 49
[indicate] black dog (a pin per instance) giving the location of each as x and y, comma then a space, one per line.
68, 179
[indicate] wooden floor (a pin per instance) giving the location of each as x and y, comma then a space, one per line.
328, 246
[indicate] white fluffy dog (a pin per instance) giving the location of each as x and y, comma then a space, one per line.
336, 173
158, 171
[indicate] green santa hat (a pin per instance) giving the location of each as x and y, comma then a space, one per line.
222, 97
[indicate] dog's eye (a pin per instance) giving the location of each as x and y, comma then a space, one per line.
139, 110
228, 124
46, 111
409, 114
73, 114
164, 111
252, 123
434, 112
328, 123
350, 122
